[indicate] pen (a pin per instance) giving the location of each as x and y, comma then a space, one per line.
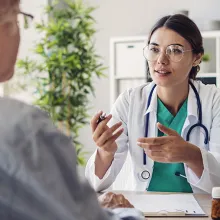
101, 118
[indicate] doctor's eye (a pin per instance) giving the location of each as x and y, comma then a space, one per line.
176, 51
153, 49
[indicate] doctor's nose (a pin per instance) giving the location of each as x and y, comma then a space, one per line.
163, 58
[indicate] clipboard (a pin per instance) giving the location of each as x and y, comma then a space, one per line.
178, 205
165, 213
172, 213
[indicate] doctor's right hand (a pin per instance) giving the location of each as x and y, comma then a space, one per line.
103, 136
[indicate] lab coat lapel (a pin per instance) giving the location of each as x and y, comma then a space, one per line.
152, 132
192, 111
152, 110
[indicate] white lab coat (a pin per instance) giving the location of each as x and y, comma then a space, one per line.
130, 108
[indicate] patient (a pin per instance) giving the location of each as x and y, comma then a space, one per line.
38, 177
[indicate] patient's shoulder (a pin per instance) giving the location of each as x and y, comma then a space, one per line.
16, 109
16, 115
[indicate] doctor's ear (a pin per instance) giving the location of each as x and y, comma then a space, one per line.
197, 59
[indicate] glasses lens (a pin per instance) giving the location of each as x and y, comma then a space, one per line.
151, 52
175, 53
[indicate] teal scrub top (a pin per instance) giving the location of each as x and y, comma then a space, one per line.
163, 176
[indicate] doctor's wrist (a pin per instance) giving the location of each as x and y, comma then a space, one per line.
105, 154
102, 162
194, 160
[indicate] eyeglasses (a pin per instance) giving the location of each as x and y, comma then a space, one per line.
26, 15
174, 53
27, 18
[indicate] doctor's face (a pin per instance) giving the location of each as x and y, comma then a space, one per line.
170, 58
9, 38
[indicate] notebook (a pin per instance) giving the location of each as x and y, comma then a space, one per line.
166, 205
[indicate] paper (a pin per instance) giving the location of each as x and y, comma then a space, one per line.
172, 204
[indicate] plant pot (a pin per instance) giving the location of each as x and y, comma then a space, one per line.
204, 67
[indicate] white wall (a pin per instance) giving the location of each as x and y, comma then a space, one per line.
28, 38
129, 17
119, 18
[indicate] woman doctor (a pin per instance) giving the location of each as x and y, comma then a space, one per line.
170, 127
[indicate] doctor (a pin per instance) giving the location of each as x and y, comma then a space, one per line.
170, 127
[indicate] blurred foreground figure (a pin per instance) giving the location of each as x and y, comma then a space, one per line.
38, 177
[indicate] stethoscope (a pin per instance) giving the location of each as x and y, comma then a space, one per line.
146, 174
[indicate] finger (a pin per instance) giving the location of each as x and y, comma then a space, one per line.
94, 120
106, 194
155, 140
160, 157
150, 147
105, 199
106, 120
120, 198
114, 199
128, 204
101, 127
157, 159
157, 154
108, 134
112, 139
121, 201
124, 201
109, 198
166, 130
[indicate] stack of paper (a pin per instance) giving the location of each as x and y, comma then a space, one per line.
172, 204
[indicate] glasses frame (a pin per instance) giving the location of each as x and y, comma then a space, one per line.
165, 54
26, 14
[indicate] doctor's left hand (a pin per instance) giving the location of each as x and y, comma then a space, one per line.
169, 149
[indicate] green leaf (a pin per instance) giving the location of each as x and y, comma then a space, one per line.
63, 66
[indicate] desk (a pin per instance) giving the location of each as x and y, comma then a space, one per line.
204, 201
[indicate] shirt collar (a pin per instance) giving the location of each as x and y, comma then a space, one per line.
192, 106
153, 103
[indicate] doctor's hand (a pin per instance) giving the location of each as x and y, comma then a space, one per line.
112, 200
103, 136
171, 148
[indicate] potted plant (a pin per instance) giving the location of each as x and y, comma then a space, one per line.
66, 65
205, 64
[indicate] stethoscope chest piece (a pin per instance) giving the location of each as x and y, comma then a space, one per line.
144, 175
